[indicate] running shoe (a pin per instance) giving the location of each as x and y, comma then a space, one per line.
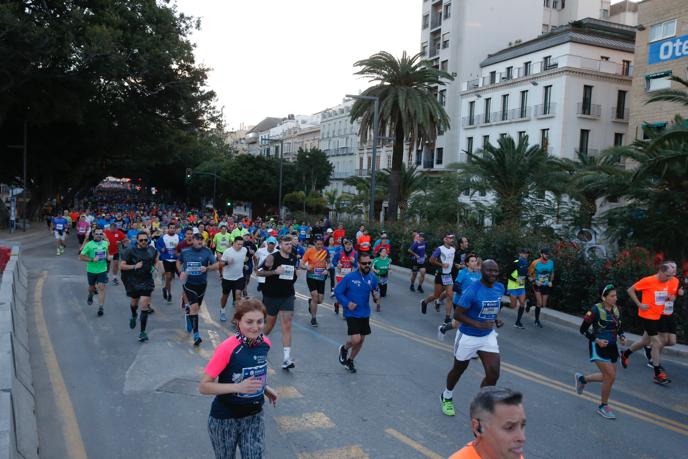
100, 311
606, 412
332, 293
519, 325
447, 320
624, 359
197, 339
412, 288
423, 307
288, 364
58, 252
447, 406
132, 321
441, 330
580, 385
661, 379
314, 322
223, 316
189, 324
343, 353
420, 289
169, 298
115, 281
336, 308
538, 324
150, 310
143, 337
350, 366
89, 300
499, 323
437, 306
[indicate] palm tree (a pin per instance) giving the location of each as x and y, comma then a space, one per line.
409, 109
411, 181
680, 96
510, 171
362, 185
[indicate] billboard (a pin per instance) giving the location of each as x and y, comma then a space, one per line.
667, 50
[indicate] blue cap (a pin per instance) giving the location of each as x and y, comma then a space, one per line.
271, 240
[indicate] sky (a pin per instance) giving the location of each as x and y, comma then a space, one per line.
280, 57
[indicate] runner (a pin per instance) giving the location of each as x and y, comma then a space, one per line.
354, 292
498, 423
167, 247
95, 254
339, 234
516, 285
417, 252
382, 242
656, 309
140, 261
114, 237
466, 277
345, 261
194, 264
477, 310
251, 249
315, 261
81, 229
364, 242
260, 256
237, 376
443, 259
381, 269
233, 275
59, 228
541, 273
605, 320
332, 250
279, 269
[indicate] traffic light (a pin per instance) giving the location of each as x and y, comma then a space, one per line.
188, 173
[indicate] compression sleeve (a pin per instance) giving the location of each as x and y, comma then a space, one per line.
585, 326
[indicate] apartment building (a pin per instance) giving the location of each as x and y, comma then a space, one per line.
457, 35
255, 137
567, 90
297, 138
661, 50
339, 141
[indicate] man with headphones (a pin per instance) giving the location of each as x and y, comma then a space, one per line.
498, 421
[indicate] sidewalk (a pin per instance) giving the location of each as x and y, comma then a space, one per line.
568, 321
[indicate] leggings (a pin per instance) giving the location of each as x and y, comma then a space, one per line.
247, 433
331, 278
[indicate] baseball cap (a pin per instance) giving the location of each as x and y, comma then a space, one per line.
271, 240
318, 237
546, 250
195, 231
329, 230
223, 224
198, 236
346, 241
523, 250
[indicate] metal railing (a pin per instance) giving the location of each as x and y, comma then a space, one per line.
470, 121
591, 110
619, 114
542, 110
434, 51
436, 21
363, 172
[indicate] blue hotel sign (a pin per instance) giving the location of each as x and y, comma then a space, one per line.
668, 50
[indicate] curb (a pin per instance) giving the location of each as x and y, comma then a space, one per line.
18, 430
568, 321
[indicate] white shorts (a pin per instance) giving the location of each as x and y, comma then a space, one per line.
466, 347
61, 237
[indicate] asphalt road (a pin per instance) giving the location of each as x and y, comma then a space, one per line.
102, 394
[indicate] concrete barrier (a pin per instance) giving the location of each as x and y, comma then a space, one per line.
18, 432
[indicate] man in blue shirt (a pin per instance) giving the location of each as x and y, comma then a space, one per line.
477, 311
353, 293
60, 226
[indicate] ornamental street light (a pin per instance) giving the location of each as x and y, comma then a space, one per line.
270, 141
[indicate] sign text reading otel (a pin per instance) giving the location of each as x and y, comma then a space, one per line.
668, 50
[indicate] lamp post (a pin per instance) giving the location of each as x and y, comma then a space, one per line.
25, 185
376, 128
270, 141
189, 172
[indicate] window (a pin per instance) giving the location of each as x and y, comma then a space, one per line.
604, 58
544, 139
547, 3
656, 81
563, 4
447, 10
469, 144
488, 103
443, 97
620, 105
471, 113
526, 68
618, 139
440, 131
493, 77
523, 111
424, 48
545, 28
509, 73
662, 30
604, 13
419, 157
445, 40
503, 135
444, 65
521, 135
546, 62
486, 140
360, 162
555, 4
439, 155
505, 107
583, 140
426, 21
587, 100
626, 68
547, 100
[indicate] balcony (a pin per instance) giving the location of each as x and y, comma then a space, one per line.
341, 175
588, 151
434, 51
620, 115
362, 172
586, 110
545, 110
436, 21
469, 121
483, 119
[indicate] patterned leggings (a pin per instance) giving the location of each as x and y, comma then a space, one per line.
247, 433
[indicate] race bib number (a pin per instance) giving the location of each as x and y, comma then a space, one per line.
543, 279
345, 271
59, 226
288, 273
661, 297
319, 272
382, 280
261, 373
420, 260
100, 255
489, 310
447, 279
171, 245
668, 308
193, 268
521, 280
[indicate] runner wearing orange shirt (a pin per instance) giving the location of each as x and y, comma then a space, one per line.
656, 310
316, 262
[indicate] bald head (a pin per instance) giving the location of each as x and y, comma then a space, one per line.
490, 271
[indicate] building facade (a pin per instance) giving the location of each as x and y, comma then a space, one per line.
339, 141
567, 91
300, 138
661, 51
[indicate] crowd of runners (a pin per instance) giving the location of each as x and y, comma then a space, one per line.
135, 242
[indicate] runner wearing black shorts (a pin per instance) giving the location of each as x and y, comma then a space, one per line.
138, 263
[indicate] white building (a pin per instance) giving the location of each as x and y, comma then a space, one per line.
339, 141
456, 36
567, 90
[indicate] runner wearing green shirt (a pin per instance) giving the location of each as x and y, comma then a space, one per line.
95, 254
381, 269
239, 231
221, 242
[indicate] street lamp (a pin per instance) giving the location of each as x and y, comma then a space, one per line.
281, 158
376, 128
23, 147
190, 173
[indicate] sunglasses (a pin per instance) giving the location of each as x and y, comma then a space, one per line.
365, 263
143, 240
97, 234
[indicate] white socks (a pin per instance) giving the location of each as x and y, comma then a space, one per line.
287, 352
448, 394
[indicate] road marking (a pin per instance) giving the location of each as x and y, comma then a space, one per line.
214, 338
348, 452
307, 421
413, 444
638, 413
287, 392
70, 426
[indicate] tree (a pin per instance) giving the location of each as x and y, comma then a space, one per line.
680, 96
511, 171
294, 200
313, 169
409, 109
362, 184
411, 181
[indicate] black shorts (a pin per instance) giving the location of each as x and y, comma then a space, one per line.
195, 293
115, 256
100, 278
170, 266
136, 294
229, 285
609, 353
438, 279
542, 289
316, 284
275, 304
665, 324
415, 267
358, 326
